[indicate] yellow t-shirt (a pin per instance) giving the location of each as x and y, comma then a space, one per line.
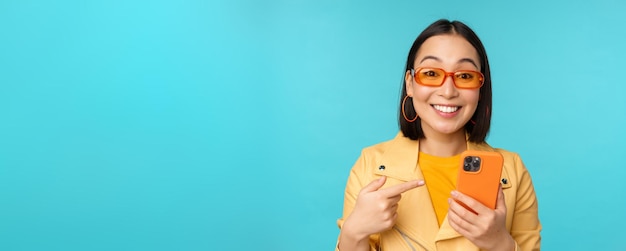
440, 175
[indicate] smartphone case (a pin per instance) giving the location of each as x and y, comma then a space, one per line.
482, 185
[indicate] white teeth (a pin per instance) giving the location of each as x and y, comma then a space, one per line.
446, 109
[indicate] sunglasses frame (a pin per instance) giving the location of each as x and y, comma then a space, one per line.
446, 74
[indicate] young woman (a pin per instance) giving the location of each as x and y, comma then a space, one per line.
401, 195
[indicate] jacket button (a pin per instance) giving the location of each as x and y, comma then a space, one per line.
504, 181
381, 167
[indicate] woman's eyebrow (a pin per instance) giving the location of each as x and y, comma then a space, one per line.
462, 60
430, 57
469, 60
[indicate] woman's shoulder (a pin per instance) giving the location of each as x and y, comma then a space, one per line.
513, 164
508, 154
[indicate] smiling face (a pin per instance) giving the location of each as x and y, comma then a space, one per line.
444, 109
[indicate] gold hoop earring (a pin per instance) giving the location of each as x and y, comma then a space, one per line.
404, 113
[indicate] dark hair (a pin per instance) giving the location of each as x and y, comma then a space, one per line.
482, 115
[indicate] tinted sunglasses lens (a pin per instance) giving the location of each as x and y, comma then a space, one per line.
467, 79
430, 76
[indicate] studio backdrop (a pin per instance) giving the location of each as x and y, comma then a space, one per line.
232, 125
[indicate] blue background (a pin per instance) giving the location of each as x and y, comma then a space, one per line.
232, 125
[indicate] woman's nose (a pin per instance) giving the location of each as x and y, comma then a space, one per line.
448, 89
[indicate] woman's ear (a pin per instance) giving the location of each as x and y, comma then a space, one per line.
408, 82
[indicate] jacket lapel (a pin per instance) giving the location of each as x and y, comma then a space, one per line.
400, 160
416, 216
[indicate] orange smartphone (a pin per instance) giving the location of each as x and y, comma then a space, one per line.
479, 176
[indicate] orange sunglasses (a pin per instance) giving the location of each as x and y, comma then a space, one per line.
463, 79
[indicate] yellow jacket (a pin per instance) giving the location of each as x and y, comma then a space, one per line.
416, 227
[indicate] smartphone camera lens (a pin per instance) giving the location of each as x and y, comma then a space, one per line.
467, 167
467, 164
476, 162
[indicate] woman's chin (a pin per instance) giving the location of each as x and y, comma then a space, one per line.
448, 129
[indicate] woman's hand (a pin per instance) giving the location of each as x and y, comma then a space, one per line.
374, 211
486, 228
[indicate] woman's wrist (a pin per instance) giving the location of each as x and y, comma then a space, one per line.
507, 245
351, 240
349, 233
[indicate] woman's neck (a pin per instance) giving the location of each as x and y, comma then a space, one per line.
444, 145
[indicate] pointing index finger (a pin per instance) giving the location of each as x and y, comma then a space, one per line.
401, 188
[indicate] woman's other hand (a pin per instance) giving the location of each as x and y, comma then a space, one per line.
486, 228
